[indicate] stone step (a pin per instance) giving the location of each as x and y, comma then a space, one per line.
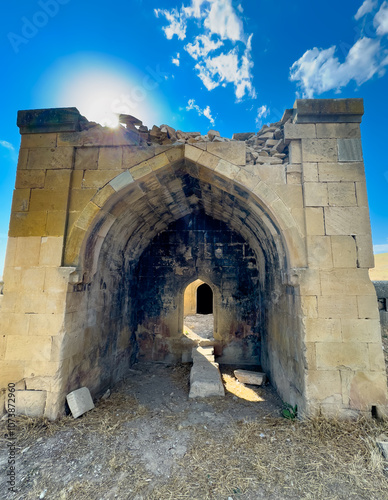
205, 376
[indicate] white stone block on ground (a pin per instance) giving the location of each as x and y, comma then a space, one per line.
249, 377
80, 401
382, 443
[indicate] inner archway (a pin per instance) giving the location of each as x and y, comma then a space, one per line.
198, 320
204, 299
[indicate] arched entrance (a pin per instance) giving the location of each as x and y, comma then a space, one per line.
204, 299
156, 234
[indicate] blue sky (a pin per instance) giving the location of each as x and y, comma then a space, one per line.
196, 65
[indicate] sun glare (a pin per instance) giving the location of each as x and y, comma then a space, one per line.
101, 88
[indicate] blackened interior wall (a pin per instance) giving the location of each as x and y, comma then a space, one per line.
198, 246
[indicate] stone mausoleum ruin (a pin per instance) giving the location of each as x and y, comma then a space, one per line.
110, 228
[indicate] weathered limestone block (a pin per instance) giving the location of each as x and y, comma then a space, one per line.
98, 178
121, 181
26, 224
86, 158
31, 141
341, 172
376, 357
227, 169
309, 306
80, 401
48, 199
299, 131
47, 158
365, 256
315, 194
347, 282
57, 179
342, 194
361, 194
337, 130
30, 403
233, 152
342, 355
319, 150
319, 252
79, 198
329, 110
323, 384
30, 179
349, 150
323, 330
365, 388
295, 152
344, 251
21, 200
367, 306
110, 158
250, 377
134, 155
274, 174
315, 225
337, 306
347, 221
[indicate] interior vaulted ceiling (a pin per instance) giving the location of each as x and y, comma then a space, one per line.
148, 206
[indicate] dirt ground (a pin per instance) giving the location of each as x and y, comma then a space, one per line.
148, 440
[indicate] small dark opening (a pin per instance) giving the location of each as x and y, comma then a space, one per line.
374, 412
204, 299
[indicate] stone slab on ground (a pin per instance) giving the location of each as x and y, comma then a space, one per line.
80, 401
205, 376
250, 377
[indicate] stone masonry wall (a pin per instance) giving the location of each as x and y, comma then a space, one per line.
89, 202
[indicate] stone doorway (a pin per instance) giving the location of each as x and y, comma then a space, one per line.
199, 318
204, 299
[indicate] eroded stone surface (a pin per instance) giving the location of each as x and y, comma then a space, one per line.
114, 226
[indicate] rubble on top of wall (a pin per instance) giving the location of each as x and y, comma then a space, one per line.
267, 146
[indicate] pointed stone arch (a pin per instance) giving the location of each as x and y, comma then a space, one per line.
96, 219
98, 204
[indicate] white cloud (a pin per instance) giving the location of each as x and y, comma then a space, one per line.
366, 7
175, 60
380, 248
318, 70
223, 21
177, 22
202, 46
381, 20
195, 9
222, 28
205, 112
7, 145
262, 112
228, 68
239, 8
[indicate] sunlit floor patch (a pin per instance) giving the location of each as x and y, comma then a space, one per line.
240, 390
